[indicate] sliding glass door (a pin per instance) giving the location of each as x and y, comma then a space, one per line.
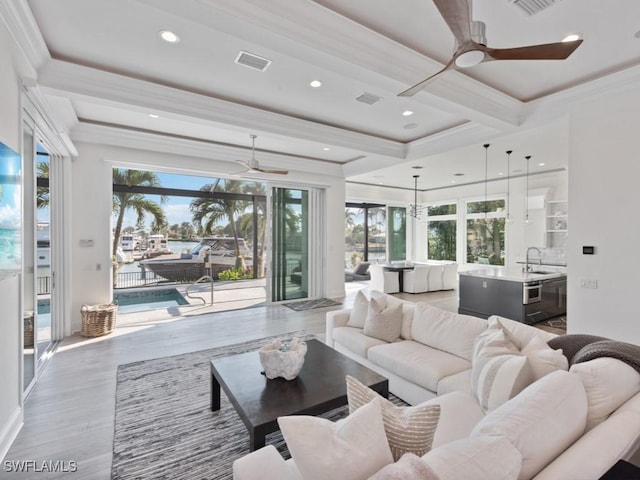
38, 276
290, 244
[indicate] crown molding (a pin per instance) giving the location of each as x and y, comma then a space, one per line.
456, 137
48, 122
105, 87
559, 104
218, 154
22, 26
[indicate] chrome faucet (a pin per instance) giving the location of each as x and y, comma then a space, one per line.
526, 263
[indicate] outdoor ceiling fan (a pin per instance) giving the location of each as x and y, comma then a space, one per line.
471, 44
252, 166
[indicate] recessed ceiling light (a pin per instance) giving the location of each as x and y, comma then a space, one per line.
571, 38
500, 174
326, 149
169, 36
315, 83
417, 167
453, 181
153, 115
541, 164
407, 113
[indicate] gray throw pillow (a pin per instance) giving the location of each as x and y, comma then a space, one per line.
361, 268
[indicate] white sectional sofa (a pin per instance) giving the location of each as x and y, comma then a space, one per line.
564, 425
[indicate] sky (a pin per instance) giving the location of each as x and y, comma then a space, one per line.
176, 209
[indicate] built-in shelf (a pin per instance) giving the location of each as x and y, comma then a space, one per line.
557, 226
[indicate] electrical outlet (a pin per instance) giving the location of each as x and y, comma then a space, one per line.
588, 283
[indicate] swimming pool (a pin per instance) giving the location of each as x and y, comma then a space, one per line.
140, 301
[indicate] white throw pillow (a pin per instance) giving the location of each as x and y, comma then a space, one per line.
543, 359
409, 466
609, 383
383, 322
498, 371
541, 422
477, 458
519, 333
350, 449
358, 311
409, 429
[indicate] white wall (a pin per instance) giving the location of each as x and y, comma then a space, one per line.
91, 216
11, 318
603, 212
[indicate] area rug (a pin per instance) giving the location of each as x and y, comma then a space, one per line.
164, 428
556, 322
309, 304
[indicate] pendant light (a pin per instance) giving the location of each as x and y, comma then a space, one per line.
415, 210
509, 152
486, 177
528, 157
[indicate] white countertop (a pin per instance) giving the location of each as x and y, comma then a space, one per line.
513, 274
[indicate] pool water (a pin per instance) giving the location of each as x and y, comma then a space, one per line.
129, 302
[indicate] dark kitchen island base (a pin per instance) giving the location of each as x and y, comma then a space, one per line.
483, 295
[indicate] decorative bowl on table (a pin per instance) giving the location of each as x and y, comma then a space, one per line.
283, 359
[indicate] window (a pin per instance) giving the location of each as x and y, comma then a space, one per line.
361, 218
441, 232
485, 232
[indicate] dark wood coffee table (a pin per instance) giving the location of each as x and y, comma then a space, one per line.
319, 387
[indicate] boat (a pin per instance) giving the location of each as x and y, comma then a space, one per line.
129, 243
43, 245
209, 257
156, 246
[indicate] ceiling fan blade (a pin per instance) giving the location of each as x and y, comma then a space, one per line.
410, 92
268, 170
457, 15
548, 51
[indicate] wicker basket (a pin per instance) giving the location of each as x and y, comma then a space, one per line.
98, 320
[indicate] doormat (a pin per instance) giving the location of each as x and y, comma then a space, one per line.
309, 304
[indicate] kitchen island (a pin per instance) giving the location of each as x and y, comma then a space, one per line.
528, 297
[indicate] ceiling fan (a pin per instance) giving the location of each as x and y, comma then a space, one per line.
253, 166
471, 44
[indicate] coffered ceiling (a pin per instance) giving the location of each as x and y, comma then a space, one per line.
104, 70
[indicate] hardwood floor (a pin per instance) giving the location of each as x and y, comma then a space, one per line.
69, 415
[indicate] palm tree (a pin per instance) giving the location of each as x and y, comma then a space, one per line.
42, 193
208, 211
123, 201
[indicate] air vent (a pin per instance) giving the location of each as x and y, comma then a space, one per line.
531, 7
252, 61
369, 98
